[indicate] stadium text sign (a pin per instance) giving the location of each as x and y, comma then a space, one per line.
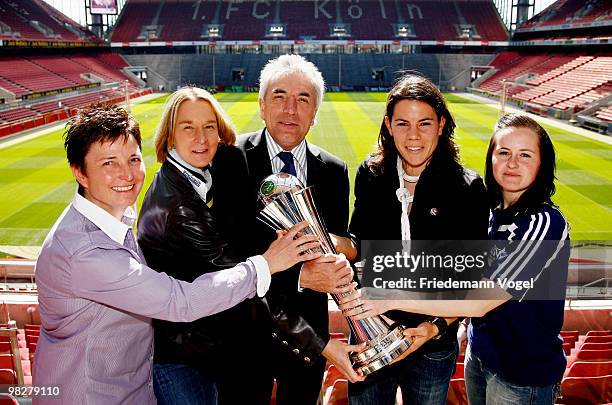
321, 9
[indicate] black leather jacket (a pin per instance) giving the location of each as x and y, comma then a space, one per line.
180, 235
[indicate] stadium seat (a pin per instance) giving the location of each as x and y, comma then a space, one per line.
567, 348
459, 371
7, 376
594, 355
337, 394
273, 396
8, 399
599, 333
589, 369
331, 375
32, 348
6, 361
456, 392
586, 390
596, 346
598, 339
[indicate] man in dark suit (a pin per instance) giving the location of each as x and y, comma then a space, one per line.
291, 91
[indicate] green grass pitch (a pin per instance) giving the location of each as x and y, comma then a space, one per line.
36, 184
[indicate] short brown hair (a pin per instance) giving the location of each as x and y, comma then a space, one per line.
164, 134
97, 123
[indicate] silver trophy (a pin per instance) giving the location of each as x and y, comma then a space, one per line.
284, 202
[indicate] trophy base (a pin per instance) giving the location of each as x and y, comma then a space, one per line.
381, 351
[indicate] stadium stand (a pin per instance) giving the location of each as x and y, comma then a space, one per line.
27, 75
36, 20
22, 118
145, 20
570, 12
559, 81
605, 113
40, 89
349, 72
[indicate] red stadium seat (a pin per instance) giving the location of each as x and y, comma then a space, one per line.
589, 369
598, 339
32, 337
567, 348
599, 333
586, 390
565, 333
594, 355
596, 346
8, 399
571, 339
6, 361
459, 371
7, 376
338, 394
32, 348
456, 392
332, 374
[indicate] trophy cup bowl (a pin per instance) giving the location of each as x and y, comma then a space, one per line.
284, 202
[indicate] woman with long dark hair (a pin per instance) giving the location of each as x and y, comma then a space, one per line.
414, 188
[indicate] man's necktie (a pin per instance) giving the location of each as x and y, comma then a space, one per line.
289, 166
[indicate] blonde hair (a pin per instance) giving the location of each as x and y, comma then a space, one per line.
164, 134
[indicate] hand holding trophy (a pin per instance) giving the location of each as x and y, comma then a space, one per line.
284, 202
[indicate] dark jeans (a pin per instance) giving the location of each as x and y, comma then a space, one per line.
181, 384
423, 378
485, 387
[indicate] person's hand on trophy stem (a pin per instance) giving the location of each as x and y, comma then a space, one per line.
289, 249
355, 307
418, 337
345, 246
327, 274
338, 353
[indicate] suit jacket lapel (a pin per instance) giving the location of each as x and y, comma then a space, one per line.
258, 157
314, 165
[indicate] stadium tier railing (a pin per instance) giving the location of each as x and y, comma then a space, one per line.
10, 128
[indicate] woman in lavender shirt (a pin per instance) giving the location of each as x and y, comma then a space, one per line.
96, 294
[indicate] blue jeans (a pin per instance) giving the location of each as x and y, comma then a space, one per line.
181, 384
423, 378
485, 387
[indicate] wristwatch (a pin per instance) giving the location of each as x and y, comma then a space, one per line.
441, 324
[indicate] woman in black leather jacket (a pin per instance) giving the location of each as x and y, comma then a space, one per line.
190, 225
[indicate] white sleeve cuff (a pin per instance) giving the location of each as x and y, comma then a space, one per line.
264, 278
299, 286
